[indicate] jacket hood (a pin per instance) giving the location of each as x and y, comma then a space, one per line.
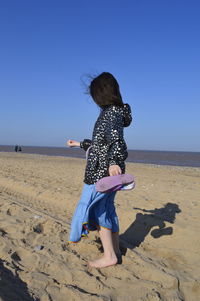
127, 116
125, 110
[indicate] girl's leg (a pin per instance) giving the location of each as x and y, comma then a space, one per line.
115, 241
109, 258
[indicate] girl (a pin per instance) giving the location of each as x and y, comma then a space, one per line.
106, 153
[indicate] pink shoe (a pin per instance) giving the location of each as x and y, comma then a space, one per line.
113, 183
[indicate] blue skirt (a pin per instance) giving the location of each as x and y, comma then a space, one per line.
93, 209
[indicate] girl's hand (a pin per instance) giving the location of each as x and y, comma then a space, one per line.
114, 170
72, 143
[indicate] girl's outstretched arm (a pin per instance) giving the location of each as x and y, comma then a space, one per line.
72, 143
85, 144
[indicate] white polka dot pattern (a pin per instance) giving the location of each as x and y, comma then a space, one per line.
107, 145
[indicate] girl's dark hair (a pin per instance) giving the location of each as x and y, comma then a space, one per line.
104, 90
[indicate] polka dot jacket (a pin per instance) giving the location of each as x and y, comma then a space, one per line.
107, 146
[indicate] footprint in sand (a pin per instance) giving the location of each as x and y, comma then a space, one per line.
30, 239
25, 258
38, 228
3, 232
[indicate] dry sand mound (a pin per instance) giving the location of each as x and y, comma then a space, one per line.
159, 234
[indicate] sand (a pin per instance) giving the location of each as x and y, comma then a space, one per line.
159, 234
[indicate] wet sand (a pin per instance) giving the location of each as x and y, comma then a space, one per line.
159, 222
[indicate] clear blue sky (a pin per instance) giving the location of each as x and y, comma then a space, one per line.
47, 47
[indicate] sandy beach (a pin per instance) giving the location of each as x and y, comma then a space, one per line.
159, 237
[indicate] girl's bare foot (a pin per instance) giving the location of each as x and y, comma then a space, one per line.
103, 262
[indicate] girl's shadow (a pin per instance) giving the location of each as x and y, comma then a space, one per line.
12, 287
143, 224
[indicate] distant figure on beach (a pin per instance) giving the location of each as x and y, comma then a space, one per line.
18, 148
106, 155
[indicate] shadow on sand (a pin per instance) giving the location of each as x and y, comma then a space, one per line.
12, 288
144, 223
